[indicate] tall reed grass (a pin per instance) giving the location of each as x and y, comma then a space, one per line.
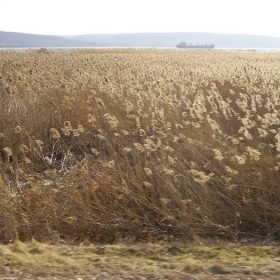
110, 145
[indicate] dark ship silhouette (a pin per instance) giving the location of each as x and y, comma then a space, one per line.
183, 45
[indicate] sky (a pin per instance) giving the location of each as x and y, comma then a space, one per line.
75, 17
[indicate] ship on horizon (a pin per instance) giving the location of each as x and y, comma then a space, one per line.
183, 45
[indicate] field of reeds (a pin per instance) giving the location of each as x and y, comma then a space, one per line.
109, 145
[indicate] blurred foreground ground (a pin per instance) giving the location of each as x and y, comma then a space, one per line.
195, 261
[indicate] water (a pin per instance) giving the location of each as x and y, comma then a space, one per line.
258, 50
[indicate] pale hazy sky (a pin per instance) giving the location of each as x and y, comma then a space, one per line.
71, 17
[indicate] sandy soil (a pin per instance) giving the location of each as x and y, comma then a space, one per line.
140, 261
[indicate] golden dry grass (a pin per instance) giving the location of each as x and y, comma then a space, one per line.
34, 260
113, 145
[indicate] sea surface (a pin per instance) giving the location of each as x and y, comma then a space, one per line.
264, 50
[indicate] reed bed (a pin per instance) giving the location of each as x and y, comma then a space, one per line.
131, 145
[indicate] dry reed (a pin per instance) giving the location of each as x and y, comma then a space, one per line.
113, 145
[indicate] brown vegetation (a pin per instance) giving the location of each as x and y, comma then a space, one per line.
139, 145
139, 261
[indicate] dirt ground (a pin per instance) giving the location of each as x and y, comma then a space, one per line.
200, 260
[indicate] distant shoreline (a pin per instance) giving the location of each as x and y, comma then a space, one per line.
138, 40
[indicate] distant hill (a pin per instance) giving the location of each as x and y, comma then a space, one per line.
24, 40
171, 39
